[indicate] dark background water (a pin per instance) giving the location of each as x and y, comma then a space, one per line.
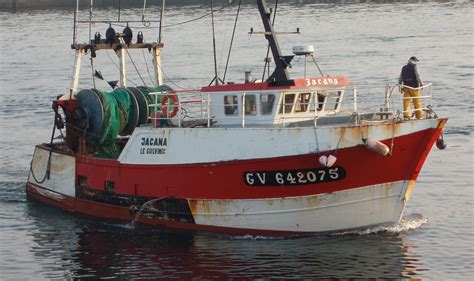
369, 42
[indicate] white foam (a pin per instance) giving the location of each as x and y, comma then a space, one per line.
257, 237
407, 223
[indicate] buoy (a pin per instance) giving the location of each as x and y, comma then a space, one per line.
174, 103
377, 147
440, 144
327, 161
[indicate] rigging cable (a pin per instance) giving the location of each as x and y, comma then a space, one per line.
164, 74
200, 17
317, 65
148, 68
232, 40
169, 79
119, 68
147, 26
136, 69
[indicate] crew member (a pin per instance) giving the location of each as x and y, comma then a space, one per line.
410, 76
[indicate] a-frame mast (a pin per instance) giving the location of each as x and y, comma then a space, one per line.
281, 62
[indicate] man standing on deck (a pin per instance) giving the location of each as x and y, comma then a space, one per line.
410, 76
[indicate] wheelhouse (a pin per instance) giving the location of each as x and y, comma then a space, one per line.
273, 107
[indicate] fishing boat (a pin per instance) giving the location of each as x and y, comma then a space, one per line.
276, 156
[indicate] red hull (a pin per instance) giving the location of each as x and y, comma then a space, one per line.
223, 180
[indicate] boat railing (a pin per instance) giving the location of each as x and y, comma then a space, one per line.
193, 107
395, 103
176, 106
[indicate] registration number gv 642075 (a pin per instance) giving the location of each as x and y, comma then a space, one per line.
294, 177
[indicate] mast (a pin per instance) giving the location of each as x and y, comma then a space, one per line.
281, 62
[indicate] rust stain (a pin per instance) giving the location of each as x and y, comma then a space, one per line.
354, 135
298, 131
409, 190
193, 206
210, 207
349, 136
203, 207
442, 123
391, 129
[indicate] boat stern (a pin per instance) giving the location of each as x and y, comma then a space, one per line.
52, 177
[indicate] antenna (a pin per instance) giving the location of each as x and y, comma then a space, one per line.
119, 9
90, 18
161, 19
216, 79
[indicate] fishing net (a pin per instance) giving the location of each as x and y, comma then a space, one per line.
106, 147
122, 97
110, 126
117, 106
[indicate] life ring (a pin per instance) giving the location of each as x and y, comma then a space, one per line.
164, 103
156, 119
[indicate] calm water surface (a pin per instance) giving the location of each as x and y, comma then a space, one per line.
369, 42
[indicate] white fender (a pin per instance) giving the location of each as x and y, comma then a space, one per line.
327, 161
377, 147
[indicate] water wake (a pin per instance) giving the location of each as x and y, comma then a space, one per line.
407, 223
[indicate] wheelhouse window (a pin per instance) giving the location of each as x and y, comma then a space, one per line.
266, 103
287, 106
326, 100
333, 100
302, 102
321, 100
231, 105
250, 105
318, 101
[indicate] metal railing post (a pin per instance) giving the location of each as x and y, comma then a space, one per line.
180, 115
354, 92
243, 110
208, 110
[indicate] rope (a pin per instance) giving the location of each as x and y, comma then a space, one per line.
316, 137
393, 139
338, 143
48, 166
93, 72
342, 135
